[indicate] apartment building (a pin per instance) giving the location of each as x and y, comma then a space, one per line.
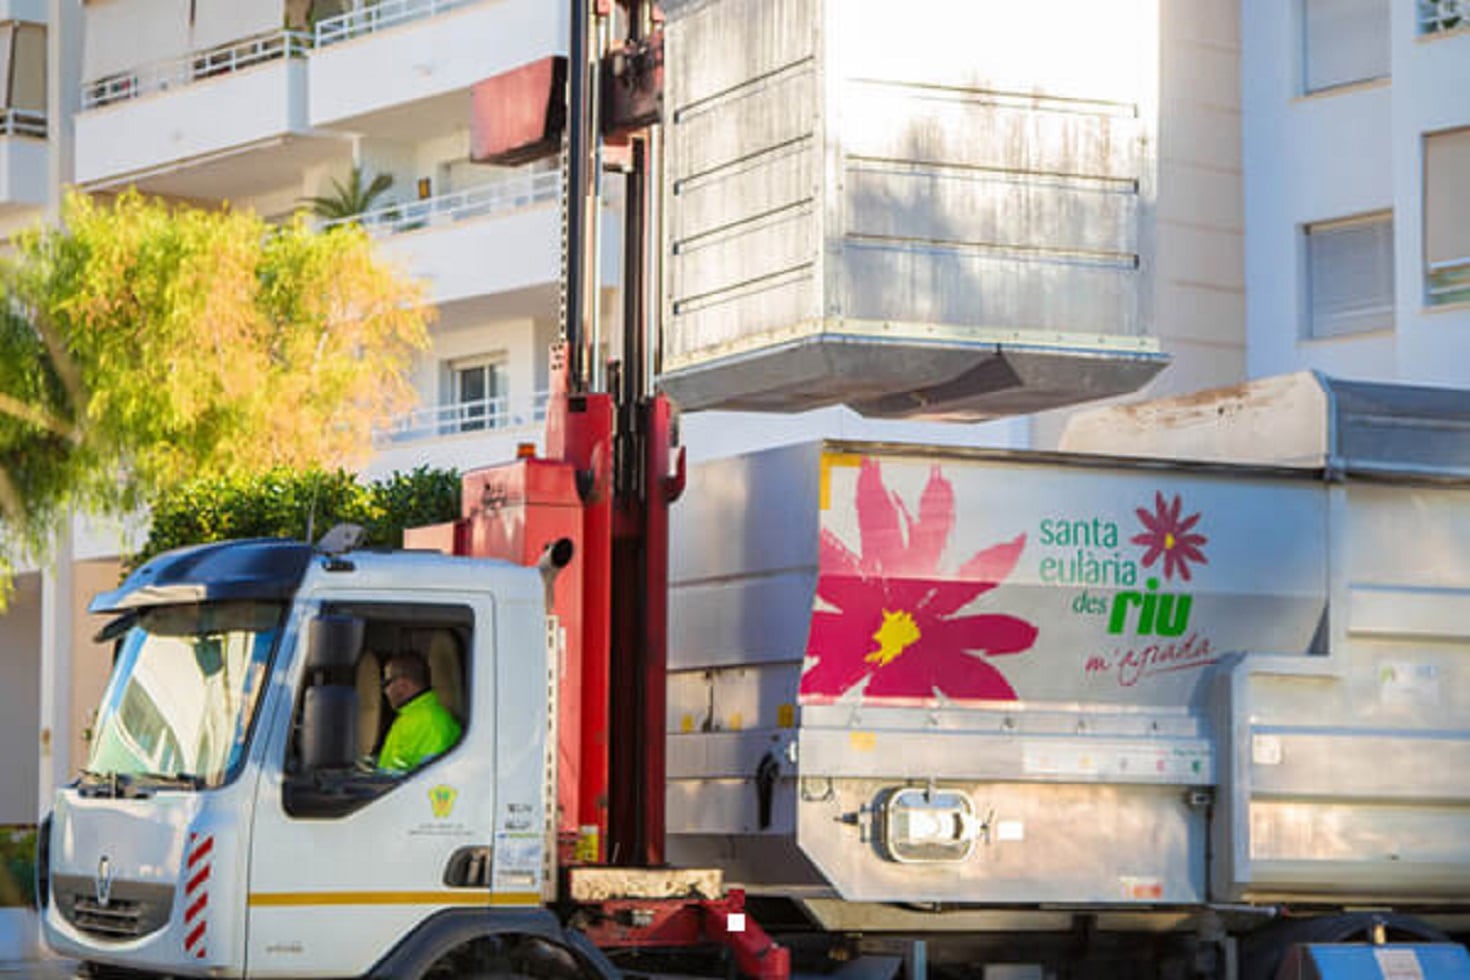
262, 103
1357, 187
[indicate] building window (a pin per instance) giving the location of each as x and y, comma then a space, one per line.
1447, 217
1438, 16
23, 80
479, 394
1345, 41
1350, 276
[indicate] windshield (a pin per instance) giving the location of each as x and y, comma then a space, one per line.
184, 691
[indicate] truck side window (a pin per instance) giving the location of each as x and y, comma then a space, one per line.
411, 688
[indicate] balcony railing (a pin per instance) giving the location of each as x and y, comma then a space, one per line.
494, 198
1437, 16
484, 415
1449, 282
380, 15
223, 60
22, 122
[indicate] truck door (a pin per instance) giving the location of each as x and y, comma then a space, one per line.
346, 861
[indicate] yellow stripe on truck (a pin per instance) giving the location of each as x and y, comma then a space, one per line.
297, 899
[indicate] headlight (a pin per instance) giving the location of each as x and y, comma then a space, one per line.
929, 825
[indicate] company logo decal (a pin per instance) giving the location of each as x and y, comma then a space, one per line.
441, 800
888, 616
104, 882
1159, 619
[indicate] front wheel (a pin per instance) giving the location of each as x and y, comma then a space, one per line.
507, 957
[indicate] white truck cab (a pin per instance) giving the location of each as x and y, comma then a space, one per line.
227, 823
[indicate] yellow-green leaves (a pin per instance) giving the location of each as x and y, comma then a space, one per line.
148, 344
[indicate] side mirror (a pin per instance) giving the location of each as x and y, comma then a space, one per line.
334, 643
329, 727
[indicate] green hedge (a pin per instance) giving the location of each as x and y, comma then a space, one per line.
17, 866
281, 503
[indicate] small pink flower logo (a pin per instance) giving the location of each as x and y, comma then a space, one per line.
1167, 536
898, 624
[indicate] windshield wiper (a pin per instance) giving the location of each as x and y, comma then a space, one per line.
129, 785
114, 784
185, 780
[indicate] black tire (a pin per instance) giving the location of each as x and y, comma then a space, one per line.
507, 958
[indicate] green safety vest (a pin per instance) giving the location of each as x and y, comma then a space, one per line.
423, 729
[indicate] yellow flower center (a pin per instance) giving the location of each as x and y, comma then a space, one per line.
1168, 542
897, 634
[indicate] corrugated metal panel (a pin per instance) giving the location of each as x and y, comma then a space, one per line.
939, 214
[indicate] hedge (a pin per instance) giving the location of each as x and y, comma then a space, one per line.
283, 503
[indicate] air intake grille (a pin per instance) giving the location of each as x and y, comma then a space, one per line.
132, 909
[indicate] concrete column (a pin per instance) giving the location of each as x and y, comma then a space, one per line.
58, 590
58, 602
63, 96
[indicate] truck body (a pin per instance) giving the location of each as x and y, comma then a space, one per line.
931, 700
1133, 683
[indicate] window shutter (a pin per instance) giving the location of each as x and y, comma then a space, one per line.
28, 74
1350, 273
124, 35
223, 22
1345, 41
1447, 196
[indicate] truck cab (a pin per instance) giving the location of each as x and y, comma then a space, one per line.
230, 812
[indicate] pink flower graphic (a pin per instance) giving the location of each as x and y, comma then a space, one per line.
898, 624
1170, 537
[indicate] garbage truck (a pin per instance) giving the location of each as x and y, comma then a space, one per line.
1127, 709
1188, 698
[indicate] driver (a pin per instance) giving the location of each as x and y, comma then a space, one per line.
423, 728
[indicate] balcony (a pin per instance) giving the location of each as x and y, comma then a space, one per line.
225, 122
462, 418
23, 160
1440, 16
499, 238
462, 435
380, 17
1449, 282
402, 69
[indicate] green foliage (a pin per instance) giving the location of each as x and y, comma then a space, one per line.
281, 503
350, 199
17, 866
146, 345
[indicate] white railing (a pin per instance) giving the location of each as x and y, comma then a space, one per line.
484, 415
1436, 16
379, 15
493, 198
22, 122
223, 60
1449, 282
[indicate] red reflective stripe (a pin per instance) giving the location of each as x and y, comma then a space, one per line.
194, 937
201, 851
197, 880
197, 907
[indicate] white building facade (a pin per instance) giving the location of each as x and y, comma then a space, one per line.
1357, 188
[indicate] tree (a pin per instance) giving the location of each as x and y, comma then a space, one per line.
351, 199
145, 345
